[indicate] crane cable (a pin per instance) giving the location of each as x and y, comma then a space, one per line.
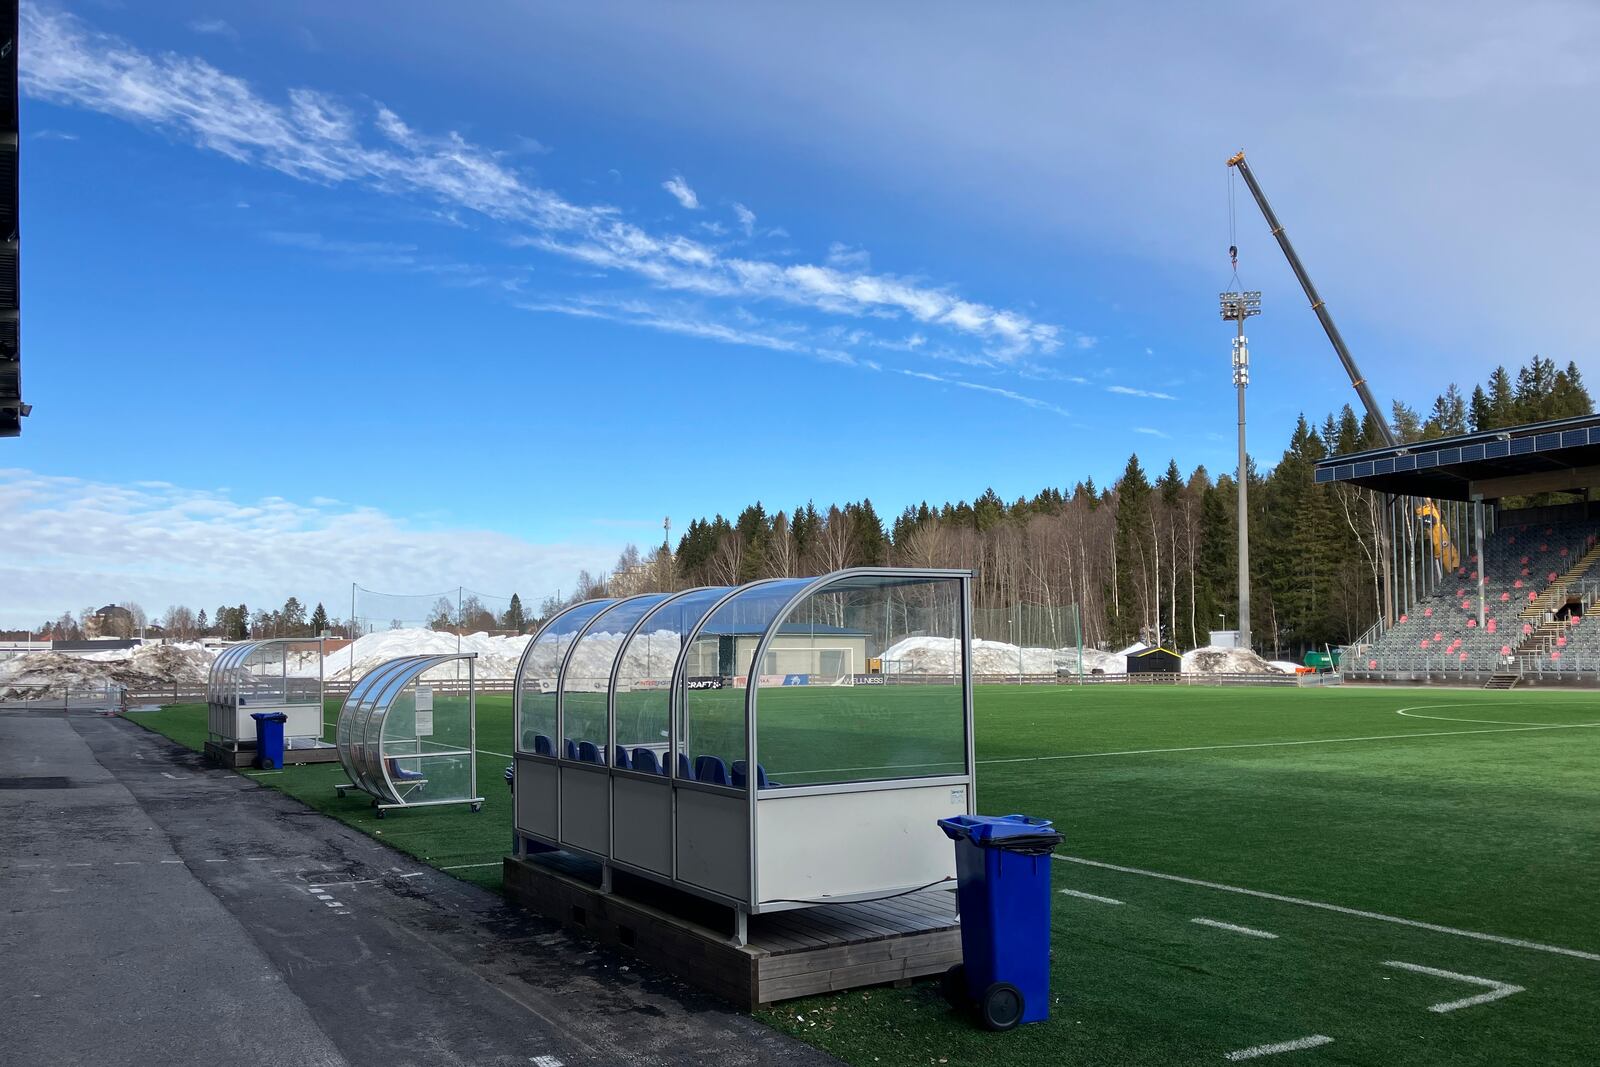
1233, 235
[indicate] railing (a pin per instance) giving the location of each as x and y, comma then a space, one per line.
30, 696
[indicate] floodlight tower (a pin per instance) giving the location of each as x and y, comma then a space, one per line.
1236, 307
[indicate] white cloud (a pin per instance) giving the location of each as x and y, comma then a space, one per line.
72, 543
681, 192
53, 135
1149, 394
747, 219
1150, 431
214, 28
1008, 394
843, 255
314, 137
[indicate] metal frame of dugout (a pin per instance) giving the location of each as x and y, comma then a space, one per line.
254, 676
405, 744
638, 720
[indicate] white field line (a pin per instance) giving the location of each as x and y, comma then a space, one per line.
1283, 1046
469, 866
1245, 930
1496, 989
1514, 942
1410, 713
1090, 896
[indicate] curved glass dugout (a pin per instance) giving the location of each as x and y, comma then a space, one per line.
714, 731
407, 735
282, 674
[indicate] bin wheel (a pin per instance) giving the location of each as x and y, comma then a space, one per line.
477, 807
953, 984
1001, 1006
380, 813
340, 792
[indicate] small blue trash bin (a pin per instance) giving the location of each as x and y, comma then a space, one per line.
269, 739
1003, 891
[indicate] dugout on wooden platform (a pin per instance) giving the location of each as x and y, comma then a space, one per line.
638, 721
282, 674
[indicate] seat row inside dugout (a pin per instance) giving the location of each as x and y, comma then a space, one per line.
638, 720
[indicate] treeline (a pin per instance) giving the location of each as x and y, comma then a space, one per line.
1152, 557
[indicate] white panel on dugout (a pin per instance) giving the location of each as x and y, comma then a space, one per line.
747, 748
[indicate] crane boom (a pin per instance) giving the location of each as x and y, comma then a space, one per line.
1317, 305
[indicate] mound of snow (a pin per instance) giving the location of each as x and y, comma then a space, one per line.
497, 655
1214, 659
142, 667
940, 655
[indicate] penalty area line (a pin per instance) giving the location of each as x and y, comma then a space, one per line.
1475, 935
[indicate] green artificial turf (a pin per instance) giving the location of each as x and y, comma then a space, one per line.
1475, 811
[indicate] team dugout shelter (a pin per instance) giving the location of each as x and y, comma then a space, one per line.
274, 675
1477, 572
749, 744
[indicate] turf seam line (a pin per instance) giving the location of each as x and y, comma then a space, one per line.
1283, 1046
1514, 942
1245, 930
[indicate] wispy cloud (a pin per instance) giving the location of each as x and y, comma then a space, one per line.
214, 28
747, 219
315, 137
68, 546
53, 135
992, 390
1151, 431
681, 192
1149, 394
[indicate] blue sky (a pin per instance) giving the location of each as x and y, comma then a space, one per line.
410, 296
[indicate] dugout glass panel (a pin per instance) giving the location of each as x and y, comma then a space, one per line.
642, 691
824, 718
538, 678
586, 676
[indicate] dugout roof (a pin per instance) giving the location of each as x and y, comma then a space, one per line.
1541, 457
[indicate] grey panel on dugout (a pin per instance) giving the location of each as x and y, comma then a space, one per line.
586, 809
537, 787
642, 823
714, 842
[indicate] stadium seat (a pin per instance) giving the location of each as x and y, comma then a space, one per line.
542, 745
711, 769
569, 750
644, 759
684, 770
623, 759
400, 774
762, 781
589, 752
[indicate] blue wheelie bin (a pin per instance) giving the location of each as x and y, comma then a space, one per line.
1003, 892
269, 739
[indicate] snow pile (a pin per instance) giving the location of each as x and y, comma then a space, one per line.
938, 655
143, 667
497, 655
1214, 659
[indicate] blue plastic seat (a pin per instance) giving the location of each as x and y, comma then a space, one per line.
644, 759
762, 782
588, 752
711, 769
400, 774
569, 750
684, 770
542, 746
623, 759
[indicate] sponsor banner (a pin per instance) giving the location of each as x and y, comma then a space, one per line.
710, 682
869, 679
640, 684
789, 679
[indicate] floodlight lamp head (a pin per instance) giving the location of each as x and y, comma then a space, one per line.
1236, 306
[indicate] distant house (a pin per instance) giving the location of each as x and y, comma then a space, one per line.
109, 621
1155, 661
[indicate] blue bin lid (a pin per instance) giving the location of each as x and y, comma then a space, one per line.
269, 716
981, 829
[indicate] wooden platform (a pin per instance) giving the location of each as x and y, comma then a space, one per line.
789, 954
245, 756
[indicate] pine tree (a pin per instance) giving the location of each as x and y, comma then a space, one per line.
515, 620
319, 620
1481, 416
1128, 612
201, 626
1502, 400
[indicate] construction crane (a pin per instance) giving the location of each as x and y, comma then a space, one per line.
1427, 511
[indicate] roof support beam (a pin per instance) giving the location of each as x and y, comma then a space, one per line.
1566, 479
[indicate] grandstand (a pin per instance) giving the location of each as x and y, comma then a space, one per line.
1475, 588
